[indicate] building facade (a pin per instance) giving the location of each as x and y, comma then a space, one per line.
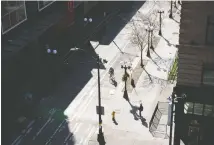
194, 115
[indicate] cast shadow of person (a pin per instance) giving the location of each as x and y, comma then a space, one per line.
134, 110
144, 123
114, 83
114, 121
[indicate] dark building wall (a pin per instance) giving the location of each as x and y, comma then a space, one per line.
191, 62
194, 15
194, 54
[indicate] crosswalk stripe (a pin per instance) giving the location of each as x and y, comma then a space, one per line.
92, 130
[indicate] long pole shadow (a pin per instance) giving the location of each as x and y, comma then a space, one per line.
157, 54
123, 51
144, 123
155, 63
170, 44
147, 74
175, 20
117, 46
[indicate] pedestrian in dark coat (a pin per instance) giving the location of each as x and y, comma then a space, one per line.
140, 109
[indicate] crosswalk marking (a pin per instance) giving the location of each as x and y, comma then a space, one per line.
92, 130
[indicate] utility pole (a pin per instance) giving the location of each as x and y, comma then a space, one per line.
170, 15
171, 118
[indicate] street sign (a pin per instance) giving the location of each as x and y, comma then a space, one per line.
101, 108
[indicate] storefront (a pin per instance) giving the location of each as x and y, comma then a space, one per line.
195, 116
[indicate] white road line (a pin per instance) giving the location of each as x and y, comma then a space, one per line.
50, 138
93, 129
31, 123
81, 140
72, 132
28, 131
17, 139
18, 142
77, 128
40, 130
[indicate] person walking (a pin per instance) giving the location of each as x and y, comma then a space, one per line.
113, 116
140, 109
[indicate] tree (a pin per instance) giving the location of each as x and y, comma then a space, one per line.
139, 35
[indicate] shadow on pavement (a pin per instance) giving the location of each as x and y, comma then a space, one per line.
101, 139
168, 43
134, 111
107, 34
144, 123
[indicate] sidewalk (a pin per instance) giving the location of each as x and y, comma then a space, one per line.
130, 130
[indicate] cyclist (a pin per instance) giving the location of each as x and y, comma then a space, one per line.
111, 73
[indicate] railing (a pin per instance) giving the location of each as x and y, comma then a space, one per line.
157, 128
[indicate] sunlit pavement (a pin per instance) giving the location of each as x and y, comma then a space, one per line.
81, 124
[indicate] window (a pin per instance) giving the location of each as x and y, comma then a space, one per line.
188, 108
44, 3
199, 109
210, 30
208, 77
13, 14
208, 110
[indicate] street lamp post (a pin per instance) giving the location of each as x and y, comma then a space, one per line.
50, 51
125, 67
87, 20
160, 31
98, 60
173, 100
170, 15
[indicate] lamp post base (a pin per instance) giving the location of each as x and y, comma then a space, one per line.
148, 54
101, 139
142, 66
170, 15
152, 47
160, 33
